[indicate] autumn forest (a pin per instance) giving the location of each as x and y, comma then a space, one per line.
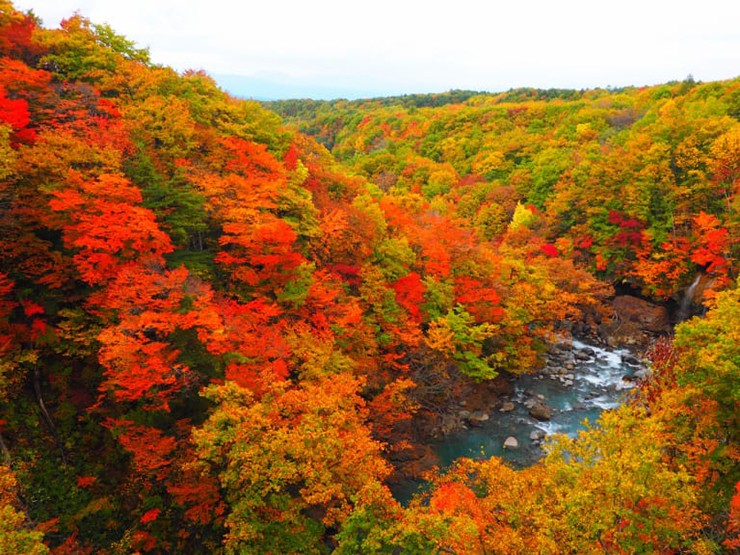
234, 327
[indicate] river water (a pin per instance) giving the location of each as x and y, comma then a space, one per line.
600, 381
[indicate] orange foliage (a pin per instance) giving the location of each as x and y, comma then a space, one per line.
712, 244
150, 448
103, 224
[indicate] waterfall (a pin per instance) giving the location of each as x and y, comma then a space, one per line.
688, 299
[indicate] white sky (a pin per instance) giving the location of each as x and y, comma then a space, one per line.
409, 46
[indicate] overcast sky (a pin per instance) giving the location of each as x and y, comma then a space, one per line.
345, 48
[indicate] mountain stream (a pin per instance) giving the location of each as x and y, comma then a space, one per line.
595, 379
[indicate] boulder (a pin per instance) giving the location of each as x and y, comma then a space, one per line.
635, 322
649, 317
507, 406
477, 418
540, 411
631, 360
511, 443
537, 435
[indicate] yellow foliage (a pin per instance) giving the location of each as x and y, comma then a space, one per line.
441, 337
523, 217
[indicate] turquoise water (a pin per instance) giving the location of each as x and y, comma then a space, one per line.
598, 384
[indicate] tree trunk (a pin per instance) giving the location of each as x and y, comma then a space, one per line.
45, 413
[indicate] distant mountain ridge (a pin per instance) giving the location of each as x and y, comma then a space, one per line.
277, 87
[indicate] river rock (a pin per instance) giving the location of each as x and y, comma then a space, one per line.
540, 411
507, 406
477, 418
537, 435
582, 356
511, 443
631, 360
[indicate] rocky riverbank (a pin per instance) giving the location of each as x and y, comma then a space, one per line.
566, 361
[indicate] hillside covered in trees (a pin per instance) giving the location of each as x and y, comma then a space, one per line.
227, 327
